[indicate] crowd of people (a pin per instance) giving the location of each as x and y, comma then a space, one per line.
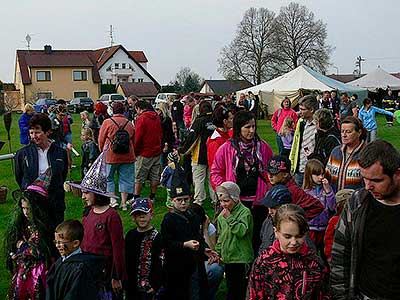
308, 222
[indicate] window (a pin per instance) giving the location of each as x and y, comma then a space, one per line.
80, 75
116, 65
109, 81
81, 94
123, 66
43, 76
44, 95
140, 80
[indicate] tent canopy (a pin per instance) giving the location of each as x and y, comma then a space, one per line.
376, 79
290, 84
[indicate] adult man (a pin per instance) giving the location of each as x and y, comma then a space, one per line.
327, 102
177, 112
366, 250
389, 103
147, 148
132, 99
35, 158
118, 161
347, 107
304, 137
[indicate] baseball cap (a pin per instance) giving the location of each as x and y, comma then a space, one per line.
277, 196
142, 205
229, 188
278, 163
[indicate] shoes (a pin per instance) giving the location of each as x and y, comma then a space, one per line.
123, 207
113, 202
130, 201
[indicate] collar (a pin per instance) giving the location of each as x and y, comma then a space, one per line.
77, 251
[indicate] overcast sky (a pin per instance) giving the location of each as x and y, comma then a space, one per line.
174, 34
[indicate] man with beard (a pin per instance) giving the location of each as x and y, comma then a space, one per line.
366, 250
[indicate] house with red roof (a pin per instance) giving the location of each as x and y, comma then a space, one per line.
68, 74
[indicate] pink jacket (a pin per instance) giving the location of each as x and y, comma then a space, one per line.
278, 122
187, 115
222, 169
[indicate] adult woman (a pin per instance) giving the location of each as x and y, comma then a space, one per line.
242, 160
23, 124
342, 169
223, 120
279, 116
367, 116
168, 135
327, 136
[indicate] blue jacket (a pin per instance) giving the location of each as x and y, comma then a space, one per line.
23, 123
27, 170
368, 116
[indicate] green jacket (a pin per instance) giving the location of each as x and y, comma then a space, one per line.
235, 233
294, 153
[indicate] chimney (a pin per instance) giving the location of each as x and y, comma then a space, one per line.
47, 49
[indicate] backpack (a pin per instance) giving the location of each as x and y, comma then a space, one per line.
120, 143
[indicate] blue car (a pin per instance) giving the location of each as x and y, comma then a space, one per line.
42, 105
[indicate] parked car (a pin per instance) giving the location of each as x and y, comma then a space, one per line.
80, 104
111, 97
42, 105
163, 97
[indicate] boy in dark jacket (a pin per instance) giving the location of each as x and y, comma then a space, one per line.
184, 247
75, 275
143, 251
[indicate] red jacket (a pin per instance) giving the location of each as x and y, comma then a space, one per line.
148, 134
311, 205
216, 140
329, 234
107, 132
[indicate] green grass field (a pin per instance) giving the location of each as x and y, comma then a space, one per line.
74, 204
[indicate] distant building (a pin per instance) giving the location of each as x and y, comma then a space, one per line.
345, 78
70, 74
222, 87
144, 90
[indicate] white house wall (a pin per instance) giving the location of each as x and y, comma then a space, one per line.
121, 57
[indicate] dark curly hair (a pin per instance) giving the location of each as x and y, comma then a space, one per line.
19, 224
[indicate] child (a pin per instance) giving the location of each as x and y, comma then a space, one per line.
173, 169
341, 198
275, 197
184, 246
90, 150
278, 171
29, 249
288, 269
75, 275
234, 244
287, 133
143, 248
316, 185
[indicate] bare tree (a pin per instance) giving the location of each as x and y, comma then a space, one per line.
300, 39
249, 56
188, 80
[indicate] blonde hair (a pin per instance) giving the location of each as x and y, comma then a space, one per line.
287, 126
313, 167
86, 114
164, 108
291, 213
88, 133
28, 108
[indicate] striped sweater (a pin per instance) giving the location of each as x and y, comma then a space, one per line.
344, 172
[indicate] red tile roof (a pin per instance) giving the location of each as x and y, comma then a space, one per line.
75, 58
140, 89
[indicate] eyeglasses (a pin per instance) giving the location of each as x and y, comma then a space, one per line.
61, 242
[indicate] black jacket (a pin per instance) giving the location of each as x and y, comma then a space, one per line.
325, 141
27, 171
177, 111
201, 129
78, 277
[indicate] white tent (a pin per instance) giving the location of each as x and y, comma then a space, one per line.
377, 79
292, 83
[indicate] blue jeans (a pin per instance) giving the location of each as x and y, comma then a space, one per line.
215, 274
279, 143
126, 177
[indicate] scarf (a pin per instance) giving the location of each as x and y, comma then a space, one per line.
251, 152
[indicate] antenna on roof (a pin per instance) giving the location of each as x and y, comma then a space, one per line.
28, 40
111, 36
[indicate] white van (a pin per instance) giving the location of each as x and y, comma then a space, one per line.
163, 97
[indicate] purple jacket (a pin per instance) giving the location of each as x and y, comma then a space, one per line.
320, 222
222, 169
